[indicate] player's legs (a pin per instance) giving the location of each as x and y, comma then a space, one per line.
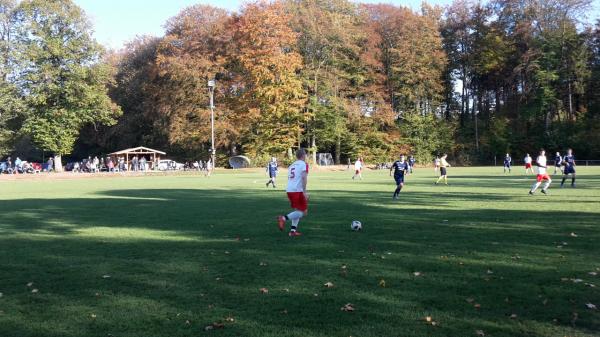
399, 185
536, 184
573, 177
300, 206
546, 184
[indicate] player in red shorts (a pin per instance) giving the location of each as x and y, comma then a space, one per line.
542, 174
528, 161
296, 192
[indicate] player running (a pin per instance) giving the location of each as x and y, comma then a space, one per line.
358, 165
297, 193
411, 163
528, 166
443, 170
400, 168
558, 163
507, 163
569, 163
542, 174
272, 171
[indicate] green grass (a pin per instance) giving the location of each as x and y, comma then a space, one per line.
185, 251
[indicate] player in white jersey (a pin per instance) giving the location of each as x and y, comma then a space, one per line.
528, 161
297, 193
542, 174
358, 169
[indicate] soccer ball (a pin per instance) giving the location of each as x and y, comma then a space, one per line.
356, 225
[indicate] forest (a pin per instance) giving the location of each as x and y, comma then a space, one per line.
474, 80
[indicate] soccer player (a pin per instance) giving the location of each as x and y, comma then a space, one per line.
569, 162
558, 163
297, 193
542, 174
400, 168
272, 171
528, 166
358, 169
507, 162
411, 163
443, 172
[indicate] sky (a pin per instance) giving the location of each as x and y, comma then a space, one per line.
118, 21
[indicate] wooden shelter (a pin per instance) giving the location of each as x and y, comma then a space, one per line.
138, 151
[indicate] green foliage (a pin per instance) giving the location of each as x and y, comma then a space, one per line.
427, 136
65, 81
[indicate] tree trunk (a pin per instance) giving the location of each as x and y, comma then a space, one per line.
57, 164
338, 149
475, 104
313, 148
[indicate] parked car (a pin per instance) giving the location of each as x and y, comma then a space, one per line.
169, 165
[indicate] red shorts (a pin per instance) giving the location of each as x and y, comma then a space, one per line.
298, 201
541, 177
527, 166
357, 172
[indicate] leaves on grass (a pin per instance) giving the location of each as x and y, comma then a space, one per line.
480, 333
105, 276
593, 273
93, 316
328, 285
34, 291
574, 235
489, 272
382, 283
513, 316
30, 284
1, 294
418, 273
230, 319
264, 290
591, 306
284, 312
263, 264
477, 306
430, 321
349, 307
470, 300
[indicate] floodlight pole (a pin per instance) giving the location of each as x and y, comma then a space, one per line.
211, 90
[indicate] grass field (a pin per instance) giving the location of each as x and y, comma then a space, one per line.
171, 255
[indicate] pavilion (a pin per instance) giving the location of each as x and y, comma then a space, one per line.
138, 151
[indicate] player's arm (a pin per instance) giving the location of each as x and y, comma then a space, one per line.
304, 183
391, 169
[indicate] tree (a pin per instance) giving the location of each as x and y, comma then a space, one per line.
64, 79
273, 96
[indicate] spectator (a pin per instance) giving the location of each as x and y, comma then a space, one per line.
18, 165
134, 164
50, 164
110, 165
143, 164
95, 164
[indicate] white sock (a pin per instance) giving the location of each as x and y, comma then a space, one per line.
295, 224
295, 215
546, 185
535, 187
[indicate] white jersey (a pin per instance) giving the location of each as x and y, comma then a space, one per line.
358, 165
541, 161
527, 160
295, 173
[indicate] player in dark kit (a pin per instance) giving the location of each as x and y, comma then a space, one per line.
411, 163
272, 170
569, 163
558, 163
400, 168
507, 163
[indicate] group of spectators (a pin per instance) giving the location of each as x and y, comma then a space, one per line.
110, 164
19, 166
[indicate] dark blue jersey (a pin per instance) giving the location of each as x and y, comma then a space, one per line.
557, 160
569, 161
412, 161
400, 168
507, 160
272, 168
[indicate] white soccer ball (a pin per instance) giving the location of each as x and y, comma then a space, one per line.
356, 225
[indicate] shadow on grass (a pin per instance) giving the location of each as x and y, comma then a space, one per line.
147, 262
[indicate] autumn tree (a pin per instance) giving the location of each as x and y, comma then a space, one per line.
273, 96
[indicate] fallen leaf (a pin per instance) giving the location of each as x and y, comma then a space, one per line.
1, 294
34, 291
417, 273
480, 333
591, 306
263, 264
470, 300
477, 306
591, 285
428, 319
349, 307
592, 273
286, 290
577, 280
284, 312
489, 272
382, 283
105, 276
187, 322
230, 319
328, 285
30, 284
264, 290
573, 235
93, 316
316, 295
513, 316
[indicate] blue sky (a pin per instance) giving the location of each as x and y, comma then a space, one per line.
118, 21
